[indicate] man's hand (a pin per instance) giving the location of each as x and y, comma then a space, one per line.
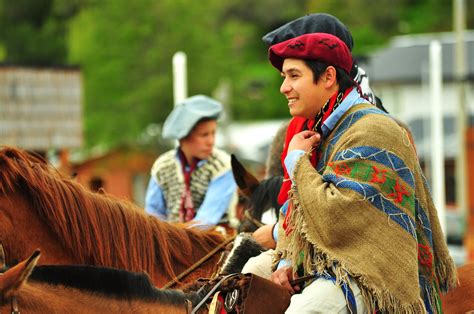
282, 276
305, 140
264, 236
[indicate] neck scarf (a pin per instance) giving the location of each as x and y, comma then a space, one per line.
297, 125
187, 212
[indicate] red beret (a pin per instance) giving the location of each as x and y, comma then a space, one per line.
315, 46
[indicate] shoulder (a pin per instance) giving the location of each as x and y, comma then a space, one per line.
367, 126
218, 162
368, 119
220, 155
164, 160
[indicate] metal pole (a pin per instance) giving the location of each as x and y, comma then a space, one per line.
223, 93
437, 133
180, 85
459, 20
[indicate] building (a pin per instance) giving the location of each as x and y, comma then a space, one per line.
41, 109
123, 172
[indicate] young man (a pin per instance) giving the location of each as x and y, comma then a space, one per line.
359, 216
311, 23
193, 181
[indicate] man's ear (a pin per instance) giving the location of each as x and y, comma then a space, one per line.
330, 76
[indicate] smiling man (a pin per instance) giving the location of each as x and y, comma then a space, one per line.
359, 219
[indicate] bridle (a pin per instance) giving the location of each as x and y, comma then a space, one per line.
253, 220
3, 268
190, 269
14, 304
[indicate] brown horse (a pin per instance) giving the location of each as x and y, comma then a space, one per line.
461, 299
40, 208
122, 291
259, 196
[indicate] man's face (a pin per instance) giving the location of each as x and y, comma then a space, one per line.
200, 142
305, 98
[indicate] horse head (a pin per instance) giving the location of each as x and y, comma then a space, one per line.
14, 278
259, 196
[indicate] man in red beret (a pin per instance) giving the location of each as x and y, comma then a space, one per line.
359, 219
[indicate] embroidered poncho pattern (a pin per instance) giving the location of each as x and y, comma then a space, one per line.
366, 211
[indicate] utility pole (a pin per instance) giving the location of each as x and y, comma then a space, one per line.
180, 80
459, 23
437, 133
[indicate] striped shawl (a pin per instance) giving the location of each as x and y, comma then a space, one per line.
367, 212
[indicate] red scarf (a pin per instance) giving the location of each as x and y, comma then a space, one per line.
187, 212
297, 125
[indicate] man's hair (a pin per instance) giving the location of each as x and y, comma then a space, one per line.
318, 68
205, 119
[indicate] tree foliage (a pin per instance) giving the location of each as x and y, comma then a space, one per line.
125, 48
33, 32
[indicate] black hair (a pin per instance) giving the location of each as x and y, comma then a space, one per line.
318, 68
205, 119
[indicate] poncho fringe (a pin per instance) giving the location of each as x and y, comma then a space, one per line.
316, 258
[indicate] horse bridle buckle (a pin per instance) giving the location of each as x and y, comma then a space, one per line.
231, 300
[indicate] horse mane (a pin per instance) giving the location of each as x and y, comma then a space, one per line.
110, 282
96, 228
265, 196
244, 247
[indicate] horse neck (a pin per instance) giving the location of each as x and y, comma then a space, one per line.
22, 231
185, 247
44, 298
111, 234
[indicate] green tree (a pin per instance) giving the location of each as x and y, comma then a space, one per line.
125, 48
373, 23
33, 32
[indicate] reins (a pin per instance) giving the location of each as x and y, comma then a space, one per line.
253, 220
190, 269
14, 304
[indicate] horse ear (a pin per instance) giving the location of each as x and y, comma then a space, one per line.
244, 179
16, 276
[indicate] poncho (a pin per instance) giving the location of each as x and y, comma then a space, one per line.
366, 212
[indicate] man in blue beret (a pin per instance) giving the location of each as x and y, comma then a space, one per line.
193, 182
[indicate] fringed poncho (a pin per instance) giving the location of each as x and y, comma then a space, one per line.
367, 212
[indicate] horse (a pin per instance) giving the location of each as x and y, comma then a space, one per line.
461, 299
86, 289
41, 208
261, 196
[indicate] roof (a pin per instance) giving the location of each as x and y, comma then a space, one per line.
406, 59
421, 130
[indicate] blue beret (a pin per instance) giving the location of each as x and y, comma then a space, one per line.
186, 114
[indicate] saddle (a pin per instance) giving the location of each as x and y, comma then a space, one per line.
243, 293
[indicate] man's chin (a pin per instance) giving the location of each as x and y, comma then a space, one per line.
205, 155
